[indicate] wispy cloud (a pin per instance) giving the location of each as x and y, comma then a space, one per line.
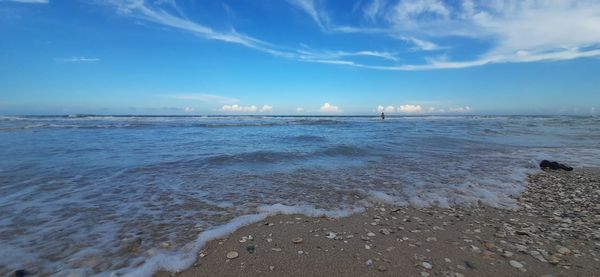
28, 1
204, 97
521, 31
77, 60
309, 7
518, 31
159, 14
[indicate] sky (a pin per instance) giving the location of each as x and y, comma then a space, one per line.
405, 57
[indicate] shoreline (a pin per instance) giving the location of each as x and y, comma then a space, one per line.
555, 231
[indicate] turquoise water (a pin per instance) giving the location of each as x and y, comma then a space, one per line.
96, 195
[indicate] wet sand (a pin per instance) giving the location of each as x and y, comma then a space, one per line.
554, 232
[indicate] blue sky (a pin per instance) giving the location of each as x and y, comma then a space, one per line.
299, 57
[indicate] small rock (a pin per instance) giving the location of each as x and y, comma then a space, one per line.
331, 235
271, 268
369, 262
537, 255
370, 234
489, 245
426, 265
232, 255
563, 250
469, 265
516, 264
382, 268
385, 231
424, 274
21, 273
276, 249
297, 240
250, 248
507, 254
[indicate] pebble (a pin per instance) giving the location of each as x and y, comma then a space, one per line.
276, 249
297, 240
516, 264
382, 268
424, 274
537, 255
385, 231
563, 250
489, 245
370, 234
331, 235
426, 265
507, 254
232, 255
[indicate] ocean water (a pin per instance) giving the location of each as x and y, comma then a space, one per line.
119, 195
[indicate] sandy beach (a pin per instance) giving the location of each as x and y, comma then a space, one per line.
554, 232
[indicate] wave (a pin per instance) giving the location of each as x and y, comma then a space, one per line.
345, 150
252, 157
187, 255
318, 121
306, 138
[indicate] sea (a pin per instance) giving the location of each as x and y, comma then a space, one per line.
129, 195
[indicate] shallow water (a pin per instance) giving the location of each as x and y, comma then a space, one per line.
126, 195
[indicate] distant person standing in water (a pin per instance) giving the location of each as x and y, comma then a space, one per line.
382, 116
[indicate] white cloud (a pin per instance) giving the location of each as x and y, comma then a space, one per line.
299, 109
204, 97
328, 108
373, 9
141, 10
235, 108
238, 109
308, 6
517, 31
266, 109
77, 60
460, 109
520, 31
388, 109
27, 1
188, 109
408, 108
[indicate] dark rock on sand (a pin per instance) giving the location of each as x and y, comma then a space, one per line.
250, 248
21, 273
545, 164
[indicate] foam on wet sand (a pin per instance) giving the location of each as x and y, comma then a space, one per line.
553, 232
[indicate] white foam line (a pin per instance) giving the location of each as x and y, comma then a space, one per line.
179, 261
